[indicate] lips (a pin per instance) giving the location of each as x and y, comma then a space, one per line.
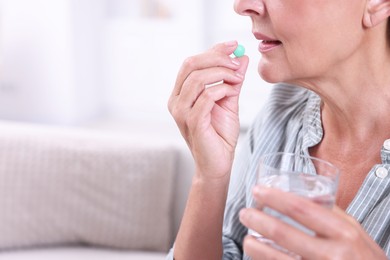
267, 45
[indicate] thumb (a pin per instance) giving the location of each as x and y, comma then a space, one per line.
232, 101
244, 62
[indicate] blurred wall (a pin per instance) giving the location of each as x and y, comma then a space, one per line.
143, 55
75, 61
51, 60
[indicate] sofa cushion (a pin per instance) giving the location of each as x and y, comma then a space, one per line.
65, 186
66, 253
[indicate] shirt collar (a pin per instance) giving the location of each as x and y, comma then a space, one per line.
312, 124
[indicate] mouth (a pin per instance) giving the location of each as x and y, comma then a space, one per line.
271, 42
267, 45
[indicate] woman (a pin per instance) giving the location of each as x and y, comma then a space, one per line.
338, 53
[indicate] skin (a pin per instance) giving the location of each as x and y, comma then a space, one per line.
349, 72
208, 120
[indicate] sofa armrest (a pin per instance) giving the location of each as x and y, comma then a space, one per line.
71, 186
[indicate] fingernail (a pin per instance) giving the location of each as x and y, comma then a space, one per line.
235, 61
257, 191
242, 214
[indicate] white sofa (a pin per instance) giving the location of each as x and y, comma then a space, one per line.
79, 193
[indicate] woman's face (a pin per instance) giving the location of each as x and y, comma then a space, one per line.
304, 39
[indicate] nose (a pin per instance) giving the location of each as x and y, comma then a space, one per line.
249, 7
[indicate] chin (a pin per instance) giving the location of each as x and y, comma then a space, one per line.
270, 76
276, 74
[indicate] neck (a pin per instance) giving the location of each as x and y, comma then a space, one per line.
356, 97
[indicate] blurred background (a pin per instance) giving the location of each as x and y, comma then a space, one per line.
111, 62
86, 65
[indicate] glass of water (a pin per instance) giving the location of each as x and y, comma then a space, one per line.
306, 176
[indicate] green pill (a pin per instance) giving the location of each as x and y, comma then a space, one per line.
239, 51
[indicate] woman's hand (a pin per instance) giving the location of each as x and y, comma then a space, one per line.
207, 116
338, 236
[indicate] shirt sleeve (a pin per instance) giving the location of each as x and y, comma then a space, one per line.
170, 255
233, 231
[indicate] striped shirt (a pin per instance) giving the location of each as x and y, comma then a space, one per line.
291, 122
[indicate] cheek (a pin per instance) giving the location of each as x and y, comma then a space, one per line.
310, 54
316, 39
293, 62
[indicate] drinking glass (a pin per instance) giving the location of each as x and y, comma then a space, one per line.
304, 175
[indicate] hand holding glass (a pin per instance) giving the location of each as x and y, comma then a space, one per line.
306, 176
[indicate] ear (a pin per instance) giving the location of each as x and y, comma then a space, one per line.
376, 12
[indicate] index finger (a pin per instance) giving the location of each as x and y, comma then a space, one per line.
307, 212
216, 56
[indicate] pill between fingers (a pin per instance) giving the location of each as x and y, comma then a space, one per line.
239, 51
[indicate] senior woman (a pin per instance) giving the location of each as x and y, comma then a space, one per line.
331, 62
